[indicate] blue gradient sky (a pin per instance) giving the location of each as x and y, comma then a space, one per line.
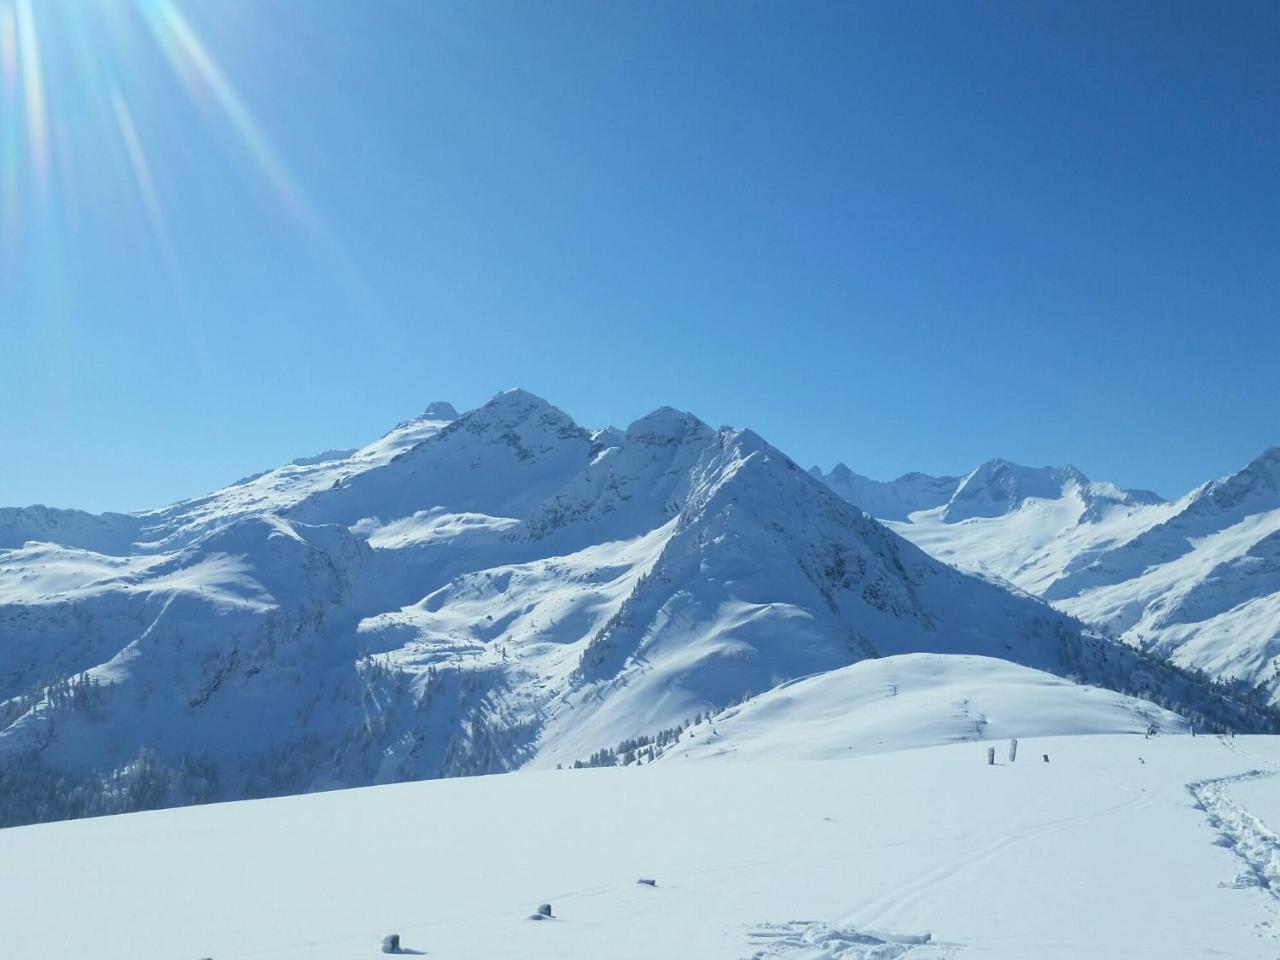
902, 235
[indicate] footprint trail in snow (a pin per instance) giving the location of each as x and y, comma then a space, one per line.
1240, 831
815, 940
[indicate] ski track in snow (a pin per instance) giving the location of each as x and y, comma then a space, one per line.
980, 853
815, 940
1239, 830
803, 939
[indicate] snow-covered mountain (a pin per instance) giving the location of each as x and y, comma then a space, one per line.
1196, 580
889, 500
467, 594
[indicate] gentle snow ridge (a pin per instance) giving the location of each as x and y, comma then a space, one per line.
911, 701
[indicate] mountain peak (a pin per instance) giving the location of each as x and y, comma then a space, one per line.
1268, 460
512, 407
440, 410
1000, 467
668, 424
889, 499
517, 413
1265, 466
1256, 486
515, 397
998, 486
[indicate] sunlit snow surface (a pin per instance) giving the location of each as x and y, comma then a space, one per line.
928, 853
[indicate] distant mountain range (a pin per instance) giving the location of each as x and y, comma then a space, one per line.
474, 593
1196, 580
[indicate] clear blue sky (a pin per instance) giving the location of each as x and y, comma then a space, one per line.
902, 235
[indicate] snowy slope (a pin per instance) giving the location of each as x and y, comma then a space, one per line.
284, 487
467, 595
917, 854
1203, 586
1197, 580
914, 700
1020, 524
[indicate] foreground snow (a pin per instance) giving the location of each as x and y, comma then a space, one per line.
927, 853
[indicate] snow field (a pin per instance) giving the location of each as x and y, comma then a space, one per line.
922, 853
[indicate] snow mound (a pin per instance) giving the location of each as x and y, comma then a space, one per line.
915, 700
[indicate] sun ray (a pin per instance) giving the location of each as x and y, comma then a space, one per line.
9, 133
142, 177
204, 78
33, 90
207, 84
103, 73
8, 50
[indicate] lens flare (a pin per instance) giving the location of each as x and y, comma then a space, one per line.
9, 135
142, 177
203, 79
8, 51
33, 89
90, 94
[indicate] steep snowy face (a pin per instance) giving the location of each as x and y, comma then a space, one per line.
633, 482
1202, 585
1254, 489
1247, 502
997, 487
468, 595
766, 576
1193, 580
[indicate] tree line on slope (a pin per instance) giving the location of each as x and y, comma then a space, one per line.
455, 722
